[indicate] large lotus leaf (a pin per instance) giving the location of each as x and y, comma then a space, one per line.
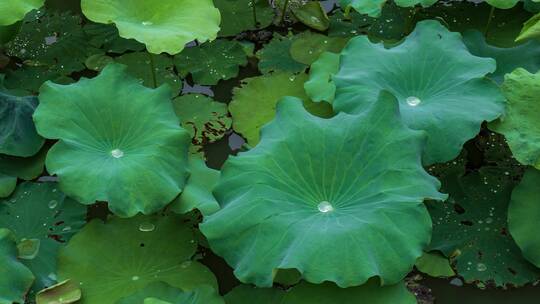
119, 141
276, 57
15, 278
42, 218
373, 8
320, 86
168, 294
520, 122
164, 26
211, 62
531, 29
525, 55
326, 293
310, 196
240, 15
308, 46
153, 70
524, 216
15, 10
18, 136
113, 260
105, 37
206, 120
440, 86
471, 227
254, 103
198, 191
53, 40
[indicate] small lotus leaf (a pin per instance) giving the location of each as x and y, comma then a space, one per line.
65, 292
310, 192
7, 184
275, 56
15, 10
531, 29
115, 259
435, 265
15, 278
112, 148
164, 26
313, 15
165, 293
308, 46
320, 86
239, 15
440, 86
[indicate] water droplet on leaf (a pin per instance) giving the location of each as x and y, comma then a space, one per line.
147, 227
117, 153
413, 101
325, 206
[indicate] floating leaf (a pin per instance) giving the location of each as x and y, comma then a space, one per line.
275, 57
320, 86
13, 11
112, 148
531, 29
211, 62
26, 168
164, 292
254, 103
65, 292
18, 136
43, 218
440, 86
373, 8
164, 26
523, 216
313, 15
30, 78
300, 200
239, 15
113, 260
15, 278
503, 4
435, 265
7, 184
308, 46
520, 122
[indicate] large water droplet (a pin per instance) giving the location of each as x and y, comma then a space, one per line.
325, 206
52, 204
481, 267
147, 227
145, 23
117, 153
456, 282
135, 278
413, 101
28, 248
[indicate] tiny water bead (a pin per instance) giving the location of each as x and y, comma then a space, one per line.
413, 101
52, 204
147, 227
146, 23
481, 267
325, 206
117, 153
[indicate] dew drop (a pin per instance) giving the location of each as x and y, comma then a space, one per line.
117, 153
147, 227
145, 23
135, 278
325, 206
489, 220
413, 101
481, 267
52, 204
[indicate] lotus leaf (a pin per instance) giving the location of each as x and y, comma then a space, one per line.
15, 10
471, 227
65, 292
309, 186
105, 37
164, 26
435, 265
26, 168
43, 218
254, 103
113, 260
15, 278
7, 184
111, 148
520, 123
164, 292
30, 78
440, 86
308, 46
326, 293
524, 216
276, 57
531, 29
373, 8
508, 59
320, 86
313, 15
211, 62
239, 15
503, 4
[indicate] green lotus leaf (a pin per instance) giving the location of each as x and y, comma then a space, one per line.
325, 293
275, 56
471, 227
211, 62
206, 120
18, 136
435, 265
313, 15
503, 4
65, 292
320, 86
111, 146
239, 15
26, 168
7, 184
98, 61
254, 103
373, 8
295, 201
31, 78
152, 70
531, 29
508, 59
348, 25
164, 292
440, 86
115, 259
308, 46
53, 40
13, 11
105, 37
166, 26
523, 216
42, 218
520, 122
15, 278
198, 191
